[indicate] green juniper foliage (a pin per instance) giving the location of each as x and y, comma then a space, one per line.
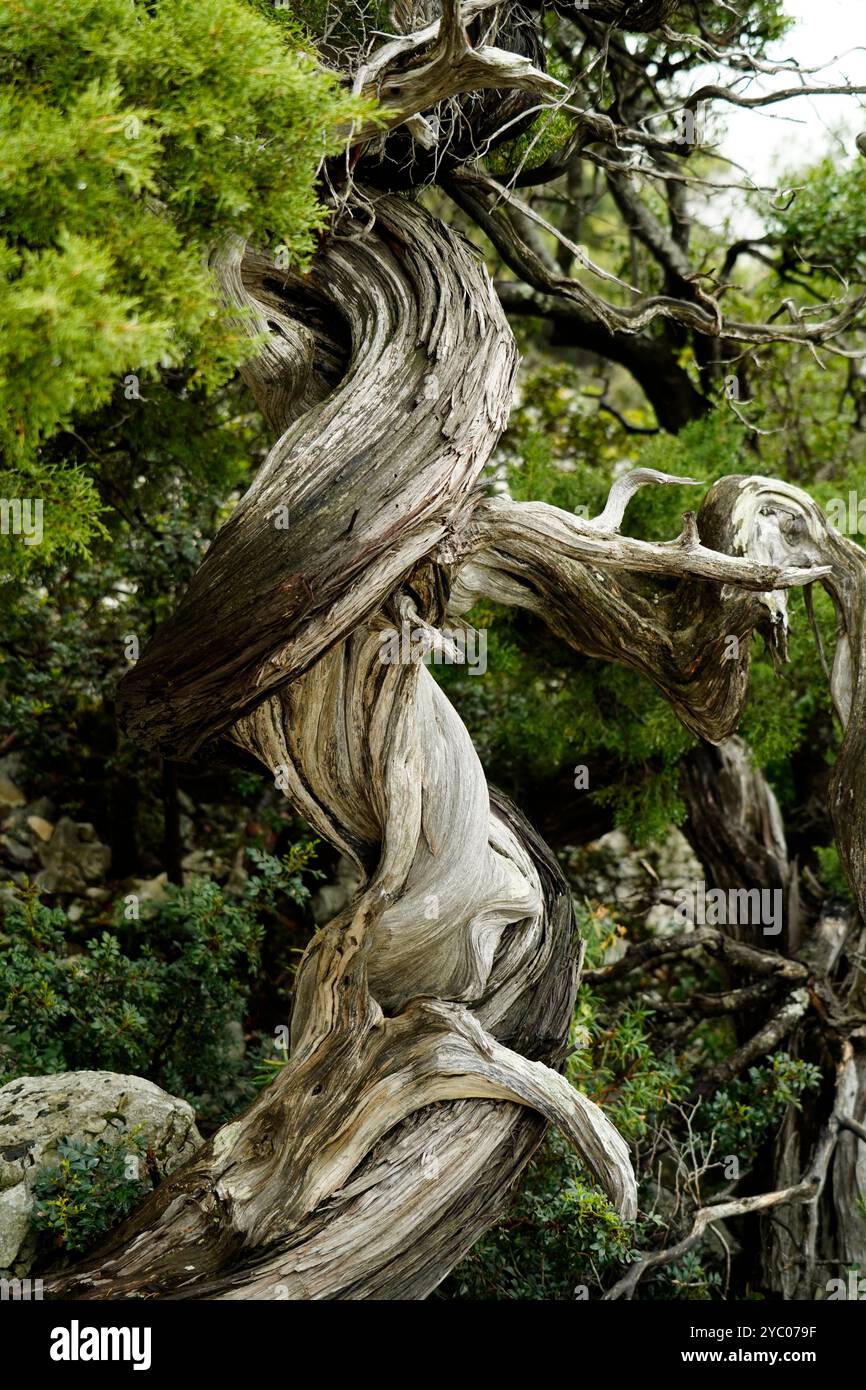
824, 223
741, 1114
94, 1185
154, 997
133, 139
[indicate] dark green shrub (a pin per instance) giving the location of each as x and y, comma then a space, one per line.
743, 1113
156, 998
96, 1183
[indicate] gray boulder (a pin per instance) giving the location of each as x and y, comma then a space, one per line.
73, 858
36, 1112
10, 795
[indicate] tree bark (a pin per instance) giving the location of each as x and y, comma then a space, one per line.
735, 828
452, 975
822, 1240
430, 1017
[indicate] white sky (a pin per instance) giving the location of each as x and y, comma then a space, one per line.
800, 131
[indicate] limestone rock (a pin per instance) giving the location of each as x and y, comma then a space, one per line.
14, 1223
41, 827
36, 1112
10, 795
637, 882
15, 851
73, 858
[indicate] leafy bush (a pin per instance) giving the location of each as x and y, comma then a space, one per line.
93, 1187
158, 1002
823, 222
830, 872
743, 1113
687, 1280
618, 1065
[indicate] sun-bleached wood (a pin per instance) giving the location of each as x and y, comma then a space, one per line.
431, 1017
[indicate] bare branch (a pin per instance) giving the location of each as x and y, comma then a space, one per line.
706, 1217
665, 947
450, 67
468, 188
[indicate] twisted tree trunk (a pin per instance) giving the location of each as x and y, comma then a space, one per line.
451, 977
431, 1017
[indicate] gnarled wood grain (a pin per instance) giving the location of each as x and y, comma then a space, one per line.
430, 1017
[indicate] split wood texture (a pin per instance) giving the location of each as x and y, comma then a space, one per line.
431, 1016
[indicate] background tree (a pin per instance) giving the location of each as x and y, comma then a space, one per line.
279, 626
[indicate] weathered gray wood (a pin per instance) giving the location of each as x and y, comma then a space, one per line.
430, 1017
452, 975
372, 477
735, 828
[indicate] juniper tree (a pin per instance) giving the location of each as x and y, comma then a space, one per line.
133, 139
384, 367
